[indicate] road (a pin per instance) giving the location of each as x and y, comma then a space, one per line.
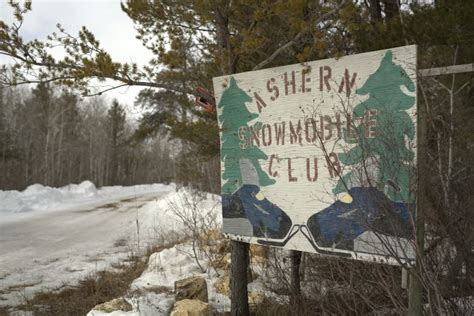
56, 249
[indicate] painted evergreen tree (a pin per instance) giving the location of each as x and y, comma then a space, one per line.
234, 116
387, 146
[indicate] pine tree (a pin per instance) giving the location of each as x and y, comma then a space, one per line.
387, 144
116, 128
234, 116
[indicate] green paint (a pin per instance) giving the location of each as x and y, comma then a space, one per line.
234, 116
393, 126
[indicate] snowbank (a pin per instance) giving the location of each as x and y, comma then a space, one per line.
164, 268
52, 237
175, 263
43, 198
167, 266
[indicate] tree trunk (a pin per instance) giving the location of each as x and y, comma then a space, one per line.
375, 11
392, 8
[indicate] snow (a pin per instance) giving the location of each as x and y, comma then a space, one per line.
39, 198
165, 267
51, 238
177, 262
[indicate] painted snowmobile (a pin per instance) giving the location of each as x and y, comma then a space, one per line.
266, 218
363, 209
338, 225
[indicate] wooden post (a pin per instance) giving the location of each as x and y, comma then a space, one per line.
295, 278
239, 305
415, 294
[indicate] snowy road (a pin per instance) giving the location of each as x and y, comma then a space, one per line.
57, 248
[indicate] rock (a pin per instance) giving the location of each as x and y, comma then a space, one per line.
259, 251
227, 258
222, 263
191, 288
255, 298
224, 247
191, 308
260, 261
211, 236
222, 285
118, 304
218, 264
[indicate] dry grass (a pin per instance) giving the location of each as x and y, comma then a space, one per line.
98, 288
3, 311
95, 289
122, 242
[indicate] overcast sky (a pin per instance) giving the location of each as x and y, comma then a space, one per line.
104, 18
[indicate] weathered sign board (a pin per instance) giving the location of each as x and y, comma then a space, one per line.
320, 156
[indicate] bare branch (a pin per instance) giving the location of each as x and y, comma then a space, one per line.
106, 90
95, 74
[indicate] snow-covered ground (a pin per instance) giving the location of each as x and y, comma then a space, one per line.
53, 237
164, 268
37, 200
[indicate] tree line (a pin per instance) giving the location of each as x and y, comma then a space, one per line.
49, 135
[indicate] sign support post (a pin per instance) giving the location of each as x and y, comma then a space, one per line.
295, 277
239, 266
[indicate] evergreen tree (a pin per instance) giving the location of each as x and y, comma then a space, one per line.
5, 137
116, 130
234, 116
387, 144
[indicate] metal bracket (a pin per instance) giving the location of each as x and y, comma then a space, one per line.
205, 99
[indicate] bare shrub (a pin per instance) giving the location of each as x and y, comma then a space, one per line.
199, 224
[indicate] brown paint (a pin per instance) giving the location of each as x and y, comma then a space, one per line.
305, 79
273, 88
347, 82
275, 173
280, 133
295, 135
328, 126
338, 125
349, 123
308, 170
290, 176
255, 136
333, 165
242, 133
325, 74
370, 124
310, 138
292, 82
321, 129
260, 103
266, 136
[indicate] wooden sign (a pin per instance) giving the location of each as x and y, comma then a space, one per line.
320, 156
